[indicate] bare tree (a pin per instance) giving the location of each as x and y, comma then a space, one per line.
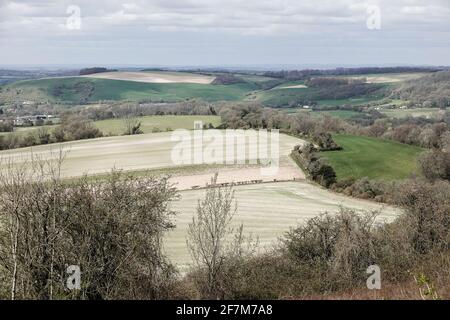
132, 125
211, 238
130, 120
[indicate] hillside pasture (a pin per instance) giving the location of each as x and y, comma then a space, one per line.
151, 123
84, 89
390, 77
372, 158
296, 95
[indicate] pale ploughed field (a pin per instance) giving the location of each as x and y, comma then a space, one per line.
154, 77
267, 211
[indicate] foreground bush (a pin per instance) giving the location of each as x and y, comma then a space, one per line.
329, 255
111, 229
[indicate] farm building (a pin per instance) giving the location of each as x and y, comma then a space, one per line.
30, 120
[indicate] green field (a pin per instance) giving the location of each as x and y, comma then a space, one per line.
341, 114
162, 123
350, 101
87, 89
372, 158
149, 124
280, 96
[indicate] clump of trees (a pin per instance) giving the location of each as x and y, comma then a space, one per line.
6, 126
365, 188
428, 91
226, 79
435, 164
111, 229
72, 127
307, 158
325, 141
94, 70
307, 73
427, 133
82, 89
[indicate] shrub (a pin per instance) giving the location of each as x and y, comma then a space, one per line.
77, 128
427, 215
435, 164
112, 229
343, 244
325, 142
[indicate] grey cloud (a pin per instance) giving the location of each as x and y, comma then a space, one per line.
289, 24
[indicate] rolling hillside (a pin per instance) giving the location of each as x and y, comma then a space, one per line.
178, 86
83, 89
372, 158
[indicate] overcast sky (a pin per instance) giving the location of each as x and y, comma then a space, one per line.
216, 32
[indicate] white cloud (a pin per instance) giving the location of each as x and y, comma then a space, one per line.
230, 16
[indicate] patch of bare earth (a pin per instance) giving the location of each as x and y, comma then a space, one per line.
154, 77
236, 176
298, 86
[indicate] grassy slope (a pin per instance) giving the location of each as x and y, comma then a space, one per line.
131, 90
341, 114
278, 96
390, 77
148, 123
373, 158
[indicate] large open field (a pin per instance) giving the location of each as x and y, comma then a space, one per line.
150, 123
267, 211
373, 158
138, 152
154, 77
81, 89
295, 94
391, 77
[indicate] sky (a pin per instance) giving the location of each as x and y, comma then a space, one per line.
307, 33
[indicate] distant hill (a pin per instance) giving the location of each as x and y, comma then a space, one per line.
227, 79
87, 71
307, 73
429, 91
